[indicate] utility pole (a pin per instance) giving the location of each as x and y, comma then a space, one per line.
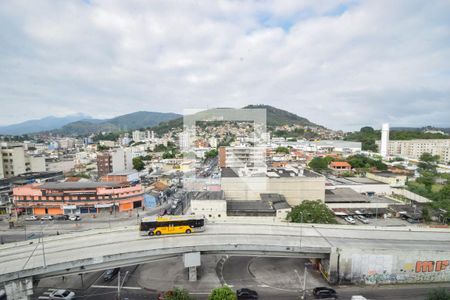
304, 284
43, 249
118, 286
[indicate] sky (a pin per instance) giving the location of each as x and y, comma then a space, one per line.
341, 64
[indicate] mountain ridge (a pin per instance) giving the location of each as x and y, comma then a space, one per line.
42, 124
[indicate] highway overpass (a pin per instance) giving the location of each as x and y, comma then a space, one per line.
348, 253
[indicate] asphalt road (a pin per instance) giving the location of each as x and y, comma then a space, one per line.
236, 272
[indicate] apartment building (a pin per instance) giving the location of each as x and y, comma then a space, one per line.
242, 157
116, 160
415, 148
15, 161
57, 198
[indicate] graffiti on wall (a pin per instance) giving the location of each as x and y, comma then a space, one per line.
431, 266
381, 269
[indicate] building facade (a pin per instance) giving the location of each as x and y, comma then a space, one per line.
415, 148
57, 198
117, 160
15, 161
296, 186
242, 157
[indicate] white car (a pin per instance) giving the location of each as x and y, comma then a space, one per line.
47, 218
350, 220
362, 219
31, 218
62, 294
74, 218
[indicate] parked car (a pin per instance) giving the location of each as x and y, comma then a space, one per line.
74, 218
62, 294
246, 294
324, 293
31, 218
47, 218
362, 219
110, 274
62, 217
350, 220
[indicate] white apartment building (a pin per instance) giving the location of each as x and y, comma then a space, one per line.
122, 160
415, 148
140, 136
14, 161
242, 157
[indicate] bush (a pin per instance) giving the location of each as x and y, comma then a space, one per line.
222, 293
177, 294
438, 294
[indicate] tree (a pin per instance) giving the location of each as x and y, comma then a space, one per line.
282, 150
212, 153
311, 212
319, 163
168, 154
428, 162
438, 294
367, 129
222, 293
138, 163
177, 294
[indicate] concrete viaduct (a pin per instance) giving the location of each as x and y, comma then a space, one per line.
348, 254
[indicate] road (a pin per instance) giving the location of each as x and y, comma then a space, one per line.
126, 243
237, 272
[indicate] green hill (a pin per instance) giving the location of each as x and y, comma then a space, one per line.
132, 121
275, 117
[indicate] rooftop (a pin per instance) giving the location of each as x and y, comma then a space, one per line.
77, 185
207, 195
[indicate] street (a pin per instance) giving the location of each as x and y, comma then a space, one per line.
272, 278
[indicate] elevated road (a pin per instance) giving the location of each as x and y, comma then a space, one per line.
100, 249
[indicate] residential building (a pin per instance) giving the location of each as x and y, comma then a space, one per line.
15, 161
116, 160
252, 158
415, 148
340, 166
57, 198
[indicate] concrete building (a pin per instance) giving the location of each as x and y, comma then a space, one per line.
57, 198
15, 161
2, 175
214, 206
126, 176
415, 148
340, 166
294, 184
252, 158
384, 140
394, 180
66, 164
116, 160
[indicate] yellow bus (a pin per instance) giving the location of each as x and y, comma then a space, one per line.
171, 225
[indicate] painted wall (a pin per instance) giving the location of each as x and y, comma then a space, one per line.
387, 267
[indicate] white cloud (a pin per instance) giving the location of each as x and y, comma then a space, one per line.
343, 64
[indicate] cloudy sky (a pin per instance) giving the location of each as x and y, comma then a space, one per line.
342, 64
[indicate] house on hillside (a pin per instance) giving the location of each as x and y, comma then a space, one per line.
340, 166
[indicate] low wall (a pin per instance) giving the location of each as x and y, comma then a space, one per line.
392, 267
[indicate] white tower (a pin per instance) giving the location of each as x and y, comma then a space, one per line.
384, 140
